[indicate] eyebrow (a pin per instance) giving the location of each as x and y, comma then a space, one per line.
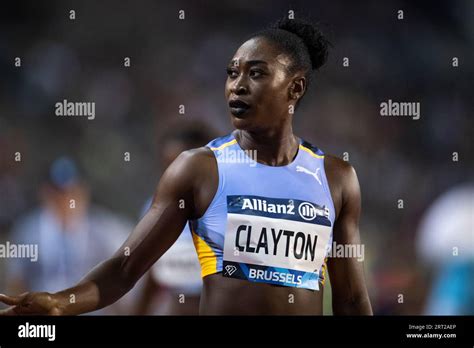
250, 62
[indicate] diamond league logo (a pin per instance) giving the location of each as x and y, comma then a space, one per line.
230, 269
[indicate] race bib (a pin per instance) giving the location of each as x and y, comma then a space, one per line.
276, 241
179, 267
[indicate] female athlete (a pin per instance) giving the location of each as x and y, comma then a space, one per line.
263, 205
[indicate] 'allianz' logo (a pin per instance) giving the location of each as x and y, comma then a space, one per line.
262, 205
306, 210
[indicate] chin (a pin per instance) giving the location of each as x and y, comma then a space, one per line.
243, 122
240, 123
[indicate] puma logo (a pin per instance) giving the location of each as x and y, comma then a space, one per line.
307, 171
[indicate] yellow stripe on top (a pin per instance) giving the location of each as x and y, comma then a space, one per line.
207, 257
232, 142
310, 152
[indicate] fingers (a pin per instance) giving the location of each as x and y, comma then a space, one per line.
9, 300
8, 312
12, 300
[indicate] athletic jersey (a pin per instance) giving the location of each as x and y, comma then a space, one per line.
269, 224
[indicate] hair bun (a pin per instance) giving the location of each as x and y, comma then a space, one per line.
312, 37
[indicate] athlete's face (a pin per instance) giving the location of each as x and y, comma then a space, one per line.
259, 89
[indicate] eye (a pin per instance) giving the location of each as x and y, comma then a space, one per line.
232, 73
256, 73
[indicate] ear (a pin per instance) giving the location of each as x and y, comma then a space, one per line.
297, 87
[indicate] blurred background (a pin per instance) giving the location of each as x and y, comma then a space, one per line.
423, 251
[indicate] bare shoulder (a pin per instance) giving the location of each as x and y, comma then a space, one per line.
194, 161
342, 179
197, 170
197, 154
339, 169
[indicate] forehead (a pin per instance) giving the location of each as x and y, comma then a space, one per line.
260, 49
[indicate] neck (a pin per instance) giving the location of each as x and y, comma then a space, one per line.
274, 147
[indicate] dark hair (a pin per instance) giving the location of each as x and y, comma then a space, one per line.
301, 40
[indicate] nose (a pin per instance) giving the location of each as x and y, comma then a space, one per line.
239, 87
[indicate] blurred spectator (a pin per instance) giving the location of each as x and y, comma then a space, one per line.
72, 235
446, 243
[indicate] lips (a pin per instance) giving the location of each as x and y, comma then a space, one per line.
237, 103
238, 107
